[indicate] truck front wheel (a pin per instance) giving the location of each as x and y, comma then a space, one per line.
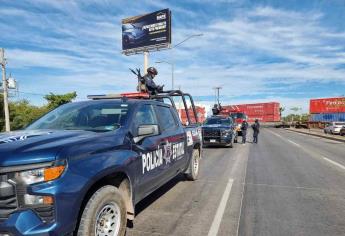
104, 214
193, 169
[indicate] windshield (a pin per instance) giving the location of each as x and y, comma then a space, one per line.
340, 123
218, 121
238, 115
91, 116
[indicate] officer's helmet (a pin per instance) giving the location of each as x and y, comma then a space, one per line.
152, 70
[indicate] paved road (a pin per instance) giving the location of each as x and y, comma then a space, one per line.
288, 184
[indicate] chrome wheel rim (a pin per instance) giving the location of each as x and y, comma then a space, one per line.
108, 220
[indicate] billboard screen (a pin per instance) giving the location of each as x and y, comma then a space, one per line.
146, 32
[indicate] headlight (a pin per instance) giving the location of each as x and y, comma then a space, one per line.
225, 132
41, 175
32, 176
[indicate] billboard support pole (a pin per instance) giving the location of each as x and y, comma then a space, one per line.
146, 61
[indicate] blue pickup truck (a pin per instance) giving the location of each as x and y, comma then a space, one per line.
82, 168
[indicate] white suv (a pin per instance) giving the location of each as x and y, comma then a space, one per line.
333, 127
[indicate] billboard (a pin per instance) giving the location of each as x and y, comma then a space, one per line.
146, 32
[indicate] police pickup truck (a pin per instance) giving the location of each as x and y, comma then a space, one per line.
218, 130
81, 168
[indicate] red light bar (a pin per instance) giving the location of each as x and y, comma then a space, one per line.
135, 95
121, 95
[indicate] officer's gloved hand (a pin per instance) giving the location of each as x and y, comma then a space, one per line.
160, 88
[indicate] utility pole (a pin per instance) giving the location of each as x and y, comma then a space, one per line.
5, 87
216, 89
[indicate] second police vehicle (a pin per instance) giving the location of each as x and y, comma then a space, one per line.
219, 130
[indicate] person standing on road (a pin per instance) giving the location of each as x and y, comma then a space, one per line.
256, 130
244, 128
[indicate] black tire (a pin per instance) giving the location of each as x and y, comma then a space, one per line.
100, 202
235, 140
193, 169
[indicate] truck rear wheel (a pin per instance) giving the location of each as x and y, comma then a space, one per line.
104, 214
193, 169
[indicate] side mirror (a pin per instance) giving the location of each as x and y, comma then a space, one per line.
146, 131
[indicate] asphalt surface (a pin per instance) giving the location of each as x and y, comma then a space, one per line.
287, 184
319, 133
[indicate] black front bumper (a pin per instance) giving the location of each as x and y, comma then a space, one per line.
215, 137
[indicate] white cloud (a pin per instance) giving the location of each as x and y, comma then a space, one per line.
86, 44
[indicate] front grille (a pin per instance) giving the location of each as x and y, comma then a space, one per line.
8, 200
12, 198
211, 133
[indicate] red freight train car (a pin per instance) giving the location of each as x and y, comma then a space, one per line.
264, 112
327, 105
200, 112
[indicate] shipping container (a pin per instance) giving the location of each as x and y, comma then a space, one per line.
327, 105
264, 112
327, 117
200, 112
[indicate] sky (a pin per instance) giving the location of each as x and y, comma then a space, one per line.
257, 51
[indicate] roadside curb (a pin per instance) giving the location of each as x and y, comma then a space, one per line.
317, 135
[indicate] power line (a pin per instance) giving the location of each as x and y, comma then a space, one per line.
38, 94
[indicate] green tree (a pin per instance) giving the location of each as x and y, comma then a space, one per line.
23, 113
296, 117
56, 100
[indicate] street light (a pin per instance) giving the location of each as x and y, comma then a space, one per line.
189, 37
172, 72
172, 63
216, 89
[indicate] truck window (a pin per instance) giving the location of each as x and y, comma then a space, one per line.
218, 121
145, 116
97, 117
166, 118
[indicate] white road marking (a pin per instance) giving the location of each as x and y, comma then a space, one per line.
334, 163
294, 143
333, 141
305, 149
242, 197
275, 134
220, 211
